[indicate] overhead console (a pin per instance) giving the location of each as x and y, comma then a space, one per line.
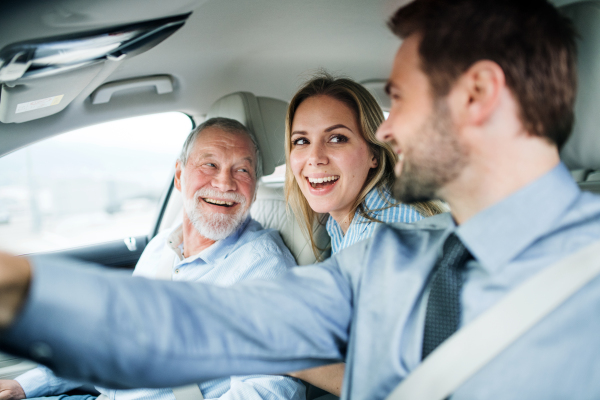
41, 77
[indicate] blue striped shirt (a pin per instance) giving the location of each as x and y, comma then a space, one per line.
362, 228
249, 253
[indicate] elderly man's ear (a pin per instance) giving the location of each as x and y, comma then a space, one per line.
178, 171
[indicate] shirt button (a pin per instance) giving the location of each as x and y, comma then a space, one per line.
177, 271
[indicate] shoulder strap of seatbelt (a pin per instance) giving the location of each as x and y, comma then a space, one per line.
165, 272
189, 392
473, 346
166, 263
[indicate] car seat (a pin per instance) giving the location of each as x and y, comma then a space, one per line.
580, 153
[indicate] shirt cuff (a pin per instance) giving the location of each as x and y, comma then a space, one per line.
34, 382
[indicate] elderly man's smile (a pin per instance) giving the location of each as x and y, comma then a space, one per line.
221, 203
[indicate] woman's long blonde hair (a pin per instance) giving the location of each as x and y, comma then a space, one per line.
369, 117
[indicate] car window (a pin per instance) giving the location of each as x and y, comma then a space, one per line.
92, 185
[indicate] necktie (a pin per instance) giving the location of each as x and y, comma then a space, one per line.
443, 306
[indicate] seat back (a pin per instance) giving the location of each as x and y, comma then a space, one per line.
265, 119
270, 210
582, 151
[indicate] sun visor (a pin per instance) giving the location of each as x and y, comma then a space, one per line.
41, 77
37, 98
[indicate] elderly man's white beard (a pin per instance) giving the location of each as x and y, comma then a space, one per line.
215, 226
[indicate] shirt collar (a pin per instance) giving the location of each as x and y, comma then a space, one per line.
499, 233
220, 249
371, 201
333, 228
175, 241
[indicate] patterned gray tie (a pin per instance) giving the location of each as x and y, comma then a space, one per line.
443, 306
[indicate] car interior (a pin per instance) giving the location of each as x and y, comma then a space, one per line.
70, 64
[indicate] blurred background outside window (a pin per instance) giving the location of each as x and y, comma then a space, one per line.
89, 186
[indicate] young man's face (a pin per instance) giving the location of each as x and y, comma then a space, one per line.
420, 130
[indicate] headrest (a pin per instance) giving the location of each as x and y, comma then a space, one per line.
583, 148
264, 117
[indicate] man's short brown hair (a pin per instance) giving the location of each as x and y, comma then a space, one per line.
529, 39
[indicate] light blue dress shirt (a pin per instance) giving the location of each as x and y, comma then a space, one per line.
362, 228
364, 305
250, 253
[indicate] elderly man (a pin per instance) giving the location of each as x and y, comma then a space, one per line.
217, 243
482, 100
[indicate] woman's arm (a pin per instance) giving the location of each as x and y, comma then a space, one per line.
327, 377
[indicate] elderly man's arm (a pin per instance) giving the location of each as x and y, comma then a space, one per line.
15, 278
95, 326
40, 382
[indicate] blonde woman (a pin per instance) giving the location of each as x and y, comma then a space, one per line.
338, 173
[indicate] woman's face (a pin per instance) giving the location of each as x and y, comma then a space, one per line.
329, 157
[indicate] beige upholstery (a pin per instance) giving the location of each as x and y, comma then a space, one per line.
581, 153
582, 149
269, 210
265, 118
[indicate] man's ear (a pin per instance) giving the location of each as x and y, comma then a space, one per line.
480, 90
178, 171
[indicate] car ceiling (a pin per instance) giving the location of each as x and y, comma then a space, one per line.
267, 47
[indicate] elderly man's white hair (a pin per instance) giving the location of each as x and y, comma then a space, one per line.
227, 125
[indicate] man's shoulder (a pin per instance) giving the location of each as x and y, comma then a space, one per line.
158, 242
412, 234
257, 254
401, 233
585, 209
161, 238
578, 226
398, 244
441, 221
151, 256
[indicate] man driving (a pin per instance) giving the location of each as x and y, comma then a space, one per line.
482, 100
217, 242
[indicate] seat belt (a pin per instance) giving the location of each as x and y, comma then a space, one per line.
472, 347
165, 272
188, 392
165, 266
